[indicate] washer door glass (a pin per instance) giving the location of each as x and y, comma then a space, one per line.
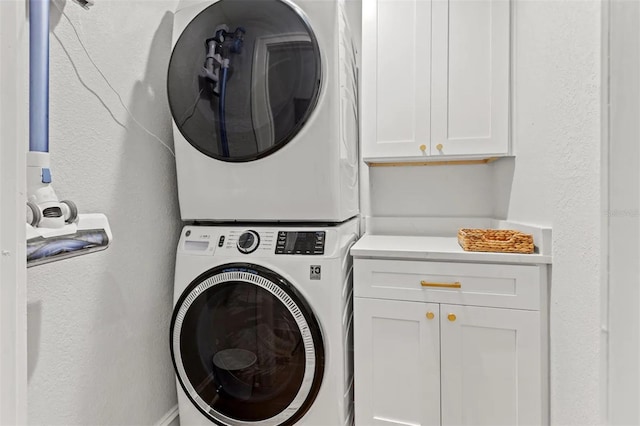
246, 347
243, 78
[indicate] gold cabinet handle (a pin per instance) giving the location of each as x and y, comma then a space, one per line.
423, 147
430, 315
442, 285
451, 317
439, 147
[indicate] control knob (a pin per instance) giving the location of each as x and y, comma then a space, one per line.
248, 242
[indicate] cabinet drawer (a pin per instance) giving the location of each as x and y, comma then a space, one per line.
505, 286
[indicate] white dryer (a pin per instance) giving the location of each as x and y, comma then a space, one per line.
263, 97
261, 332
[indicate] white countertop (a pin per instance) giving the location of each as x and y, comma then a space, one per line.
433, 248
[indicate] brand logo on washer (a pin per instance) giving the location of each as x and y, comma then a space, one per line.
315, 272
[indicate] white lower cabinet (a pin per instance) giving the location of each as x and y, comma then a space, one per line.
397, 362
428, 363
490, 365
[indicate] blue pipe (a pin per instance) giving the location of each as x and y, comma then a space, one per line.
39, 75
221, 113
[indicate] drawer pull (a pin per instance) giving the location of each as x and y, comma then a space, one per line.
430, 315
451, 317
442, 285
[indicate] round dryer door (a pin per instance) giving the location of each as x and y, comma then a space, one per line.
246, 347
244, 77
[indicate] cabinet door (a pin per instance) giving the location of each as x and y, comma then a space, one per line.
470, 80
396, 39
491, 366
397, 363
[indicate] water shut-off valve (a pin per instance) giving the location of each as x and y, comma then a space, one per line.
219, 49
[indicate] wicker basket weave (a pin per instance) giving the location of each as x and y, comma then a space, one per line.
495, 240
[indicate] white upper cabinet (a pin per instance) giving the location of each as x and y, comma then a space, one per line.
470, 77
435, 79
396, 40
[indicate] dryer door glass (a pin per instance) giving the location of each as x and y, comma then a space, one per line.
243, 78
246, 347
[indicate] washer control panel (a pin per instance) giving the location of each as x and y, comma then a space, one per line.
248, 242
302, 243
256, 242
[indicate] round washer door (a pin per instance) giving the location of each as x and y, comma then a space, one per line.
246, 347
244, 77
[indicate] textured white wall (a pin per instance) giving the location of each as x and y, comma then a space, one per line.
557, 180
554, 180
458, 191
624, 213
98, 325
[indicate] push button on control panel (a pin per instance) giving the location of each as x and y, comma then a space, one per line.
221, 241
319, 246
280, 242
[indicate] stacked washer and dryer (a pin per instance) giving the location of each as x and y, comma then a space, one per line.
263, 95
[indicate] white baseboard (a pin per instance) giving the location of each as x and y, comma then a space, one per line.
171, 418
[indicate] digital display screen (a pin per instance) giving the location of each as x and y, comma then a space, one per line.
196, 245
300, 242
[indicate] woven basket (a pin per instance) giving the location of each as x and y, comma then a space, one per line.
495, 240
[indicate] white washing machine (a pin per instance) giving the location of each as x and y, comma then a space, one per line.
261, 332
263, 95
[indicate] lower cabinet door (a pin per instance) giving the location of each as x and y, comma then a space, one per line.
397, 362
490, 360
